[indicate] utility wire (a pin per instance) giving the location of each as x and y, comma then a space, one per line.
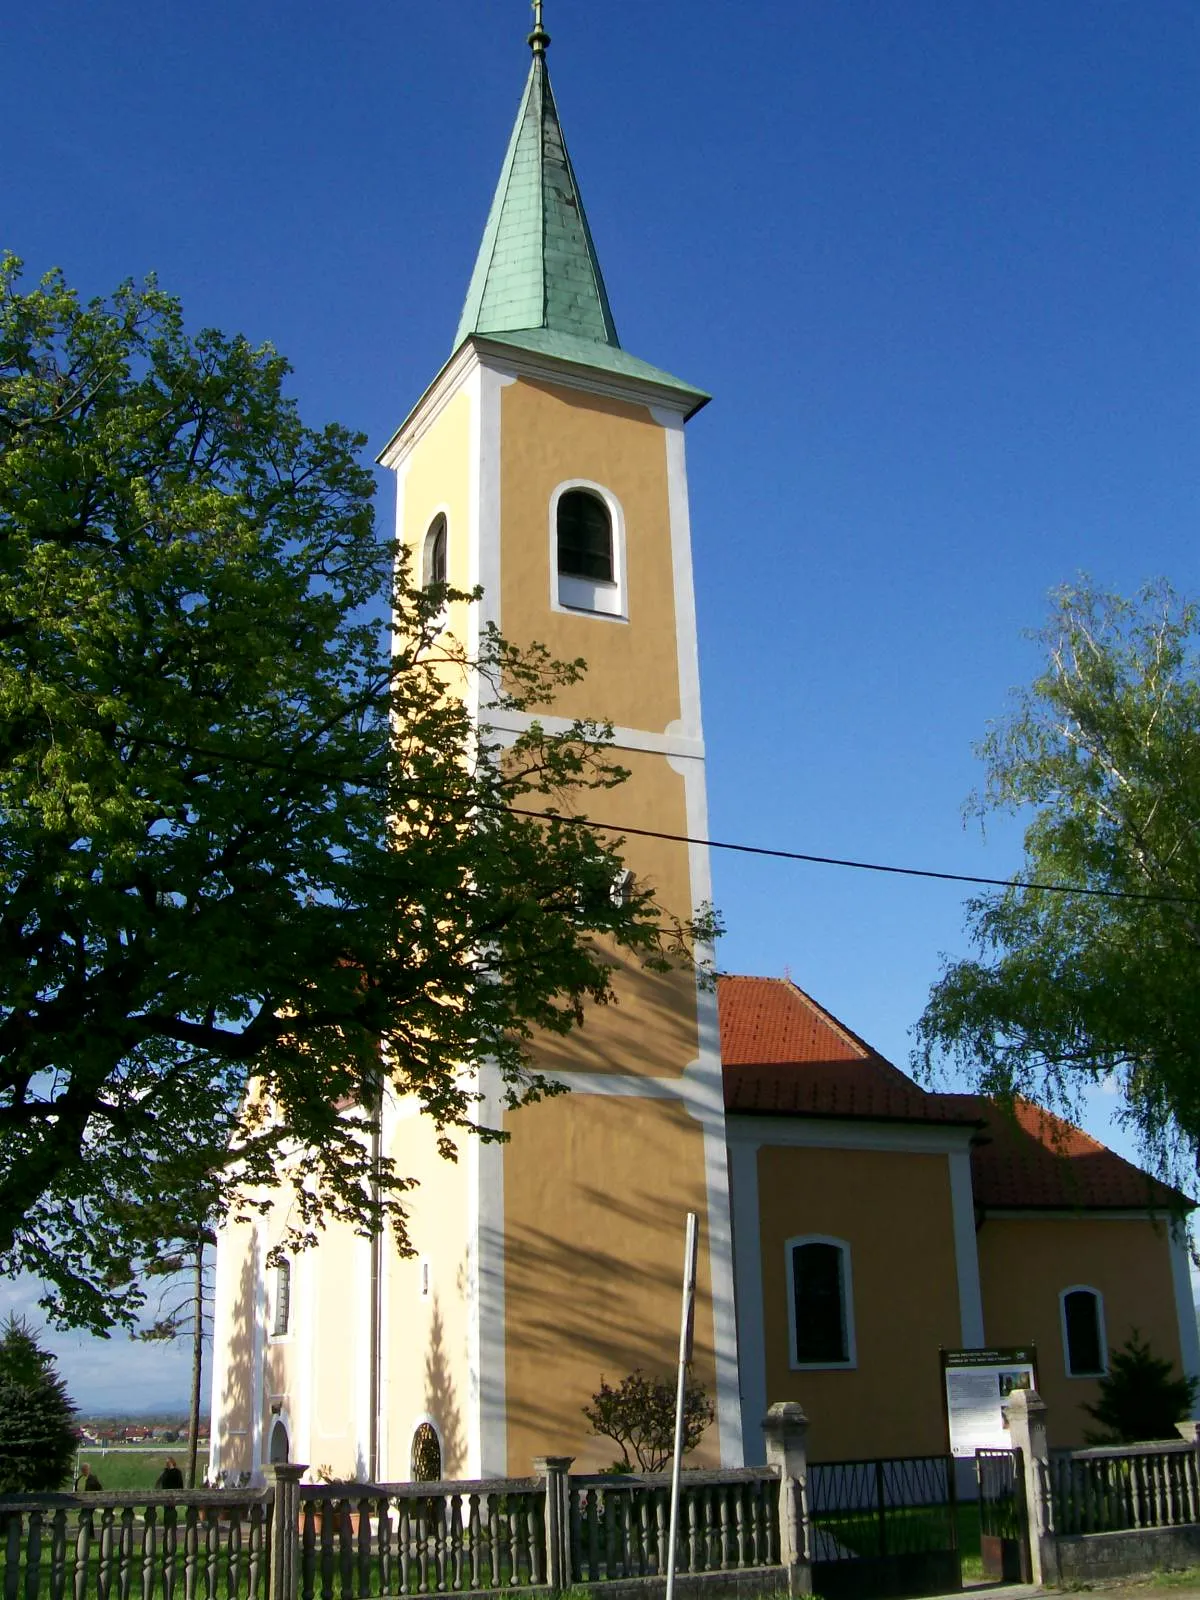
863, 866
474, 803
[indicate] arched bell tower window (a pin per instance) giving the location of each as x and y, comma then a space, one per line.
433, 557
587, 550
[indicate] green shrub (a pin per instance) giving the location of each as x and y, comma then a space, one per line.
1139, 1398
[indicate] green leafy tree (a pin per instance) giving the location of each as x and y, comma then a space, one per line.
37, 1432
638, 1415
255, 863
1140, 1397
1102, 754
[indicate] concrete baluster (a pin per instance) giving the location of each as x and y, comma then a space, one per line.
1026, 1411
285, 1530
555, 1470
785, 1428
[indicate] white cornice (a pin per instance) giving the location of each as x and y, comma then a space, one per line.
663, 744
430, 406
510, 359
666, 405
836, 1133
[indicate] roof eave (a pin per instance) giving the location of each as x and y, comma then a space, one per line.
850, 1116
600, 380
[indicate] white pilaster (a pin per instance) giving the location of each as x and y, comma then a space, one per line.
747, 1256
966, 1250
1185, 1309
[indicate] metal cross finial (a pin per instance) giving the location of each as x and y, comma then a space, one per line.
539, 39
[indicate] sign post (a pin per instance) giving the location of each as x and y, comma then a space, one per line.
686, 1329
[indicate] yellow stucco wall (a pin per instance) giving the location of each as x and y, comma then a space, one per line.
438, 479
894, 1211
337, 1306
596, 1193
424, 1360
651, 1027
1024, 1264
548, 436
233, 1337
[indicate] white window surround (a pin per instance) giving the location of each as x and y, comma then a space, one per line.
275, 1333
589, 597
439, 519
851, 1362
1083, 1288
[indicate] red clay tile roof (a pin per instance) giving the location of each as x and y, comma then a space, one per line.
1029, 1159
784, 1055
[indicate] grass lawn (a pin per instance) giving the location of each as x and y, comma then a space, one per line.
131, 1468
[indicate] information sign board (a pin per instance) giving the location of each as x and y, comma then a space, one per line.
978, 1384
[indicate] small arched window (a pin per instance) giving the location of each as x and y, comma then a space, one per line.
283, 1298
279, 1449
1083, 1333
585, 543
820, 1308
426, 1454
433, 559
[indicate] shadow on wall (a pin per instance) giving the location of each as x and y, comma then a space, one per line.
586, 1327
236, 1433
441, 1401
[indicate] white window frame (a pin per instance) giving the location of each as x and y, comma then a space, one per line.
285, 1334
441, 514
851, 1361
589, 597
1083, 1288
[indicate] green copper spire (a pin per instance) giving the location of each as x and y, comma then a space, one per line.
537, 266
537, 282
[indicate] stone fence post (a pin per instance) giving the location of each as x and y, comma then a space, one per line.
555, 1470
1026, 1412
285, 1530
785, 1428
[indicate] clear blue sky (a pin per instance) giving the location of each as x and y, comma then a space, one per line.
936, 261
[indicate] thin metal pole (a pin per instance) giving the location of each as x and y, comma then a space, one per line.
687, 1324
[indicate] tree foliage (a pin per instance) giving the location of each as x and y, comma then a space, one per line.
257, 868
37, 1433
1140, 1398
1102, 754
639, 1416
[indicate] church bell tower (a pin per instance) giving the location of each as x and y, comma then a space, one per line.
546, 465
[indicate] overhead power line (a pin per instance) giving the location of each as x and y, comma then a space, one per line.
867, 866
808, 857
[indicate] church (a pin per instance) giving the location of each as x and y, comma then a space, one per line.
852, 1224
